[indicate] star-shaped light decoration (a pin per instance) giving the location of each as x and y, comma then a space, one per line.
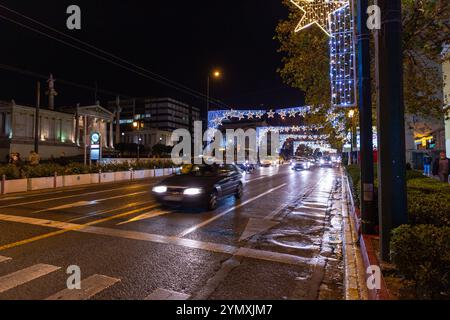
271, 114
217, 122
259, 114
241, 116
318, 12
292, 113
283, 114
250, 115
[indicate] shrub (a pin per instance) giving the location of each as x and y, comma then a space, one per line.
422, 254
10, 172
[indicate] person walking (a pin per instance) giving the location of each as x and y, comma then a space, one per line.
441, 167
427, 161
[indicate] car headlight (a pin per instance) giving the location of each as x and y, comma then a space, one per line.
192, 192
160, 189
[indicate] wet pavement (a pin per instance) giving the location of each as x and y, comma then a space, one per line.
281, 241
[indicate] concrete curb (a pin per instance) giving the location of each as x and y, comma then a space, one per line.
366, 252
354, 279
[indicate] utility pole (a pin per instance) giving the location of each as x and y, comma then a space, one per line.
391, 123
36, 119
365, 121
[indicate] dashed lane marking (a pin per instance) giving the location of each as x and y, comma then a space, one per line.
23, 276
145, 216
205, 223
182, 242
88, 203
163, 294
89, 288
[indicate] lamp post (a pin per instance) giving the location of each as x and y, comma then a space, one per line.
216, 75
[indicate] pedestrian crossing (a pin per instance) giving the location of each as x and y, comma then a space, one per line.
90, 286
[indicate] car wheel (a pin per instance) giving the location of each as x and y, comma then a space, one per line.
239, 192
212, 201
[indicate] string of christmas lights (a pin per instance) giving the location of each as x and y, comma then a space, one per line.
218, 117
335, 18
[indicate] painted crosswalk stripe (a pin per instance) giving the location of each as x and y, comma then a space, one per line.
4, 259
89, 288
23, 276
163, 294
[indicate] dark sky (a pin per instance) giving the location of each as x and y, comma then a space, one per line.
180, 40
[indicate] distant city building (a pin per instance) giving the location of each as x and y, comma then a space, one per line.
151, 121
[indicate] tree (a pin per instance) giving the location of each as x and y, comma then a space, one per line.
306, 61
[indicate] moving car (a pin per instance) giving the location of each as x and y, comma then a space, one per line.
247, 167
300, 164
326, 162
201, 186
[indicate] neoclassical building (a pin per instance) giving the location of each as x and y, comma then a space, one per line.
61, 133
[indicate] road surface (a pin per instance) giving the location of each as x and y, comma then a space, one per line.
281, 241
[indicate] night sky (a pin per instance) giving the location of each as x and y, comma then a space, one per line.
180, 40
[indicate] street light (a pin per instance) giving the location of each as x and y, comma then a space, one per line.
216, 75
351, 115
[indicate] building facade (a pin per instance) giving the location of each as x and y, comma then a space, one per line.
151, 121
61, 133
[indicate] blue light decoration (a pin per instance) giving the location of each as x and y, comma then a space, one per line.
218, 117
342, 58
335, 18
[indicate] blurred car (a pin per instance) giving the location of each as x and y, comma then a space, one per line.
300, 164
326, 162
201, 186
247, 167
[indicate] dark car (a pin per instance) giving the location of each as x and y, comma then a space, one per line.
201, 185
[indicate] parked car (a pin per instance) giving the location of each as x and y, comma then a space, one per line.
201, 186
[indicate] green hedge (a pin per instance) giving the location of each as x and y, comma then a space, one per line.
422, 254
421, 250
49, 169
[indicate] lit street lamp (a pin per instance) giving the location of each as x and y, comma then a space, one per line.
216, 75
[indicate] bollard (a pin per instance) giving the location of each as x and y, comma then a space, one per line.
3, 183
55, 179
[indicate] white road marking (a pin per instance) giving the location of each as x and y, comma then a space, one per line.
72, 196
163, 294
69, 206
256, 226
145, 216
4, 259
88, 203
141, 236
201, 225
11, 198
23, 276
97, 213
89, 288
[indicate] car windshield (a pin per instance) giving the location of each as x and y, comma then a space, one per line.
201, 170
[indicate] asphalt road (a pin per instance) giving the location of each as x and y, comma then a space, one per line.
281, 241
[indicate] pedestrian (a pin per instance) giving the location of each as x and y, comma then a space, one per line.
34, 158
441, 167
427, 160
